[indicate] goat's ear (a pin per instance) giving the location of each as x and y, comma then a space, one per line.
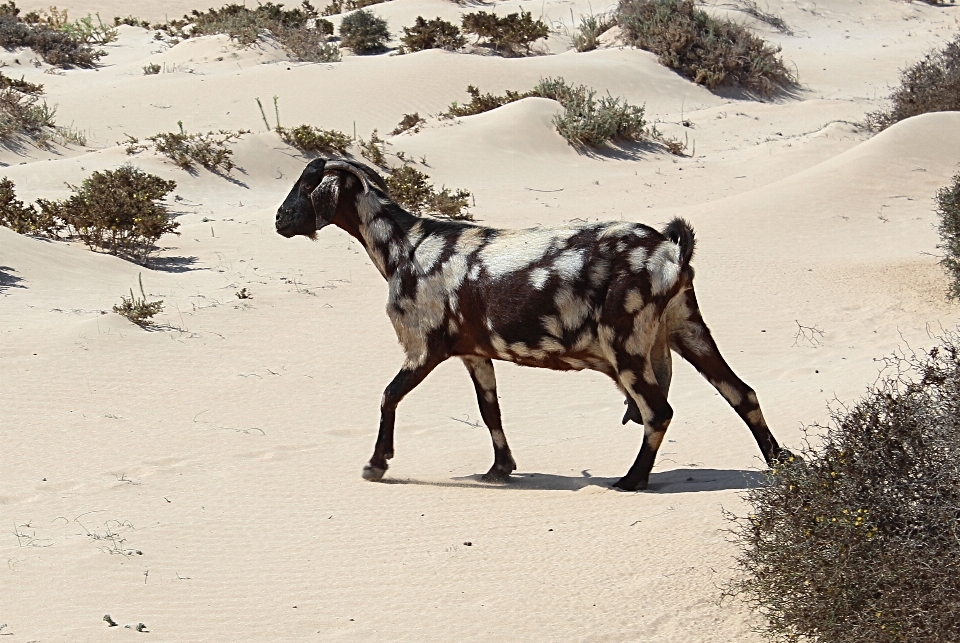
325, 198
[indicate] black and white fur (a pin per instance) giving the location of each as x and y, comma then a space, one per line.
610, 297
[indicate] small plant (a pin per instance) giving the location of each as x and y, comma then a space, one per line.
411, 189
948, 207
407, 123
432, 34
930, 85
590, 29
208, 150
480, 103
507, 34
88, 32
364, 32
243, 293
710, 52
857, 542
307, 138
138, 309
131, 21
374, 150
151, 69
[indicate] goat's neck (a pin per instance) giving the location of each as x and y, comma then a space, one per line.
387, 232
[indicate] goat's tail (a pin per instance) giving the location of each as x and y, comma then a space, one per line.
681, 233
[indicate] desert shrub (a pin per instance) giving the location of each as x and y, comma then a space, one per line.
46, 37
337, 7
507, 34
409, 122
858, 542
412, 189
711, 52
432, 34
586, 121
24, 113
364, 32
25, 219
151, 69
307, 138
374, 150
948, 207
591, 28
930, 85
88, 32
131, 21
138, 309
208, 150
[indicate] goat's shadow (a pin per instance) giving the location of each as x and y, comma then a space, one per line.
674, 481
9, 280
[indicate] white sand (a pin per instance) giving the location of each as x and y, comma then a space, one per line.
222, 451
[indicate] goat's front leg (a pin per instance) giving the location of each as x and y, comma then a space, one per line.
404, 382
485, 383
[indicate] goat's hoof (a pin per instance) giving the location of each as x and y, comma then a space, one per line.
630, 485
373, 474
785, 456
495, 475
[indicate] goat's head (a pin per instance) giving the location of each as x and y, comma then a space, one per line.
325, 189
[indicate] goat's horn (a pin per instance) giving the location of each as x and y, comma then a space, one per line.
364, 174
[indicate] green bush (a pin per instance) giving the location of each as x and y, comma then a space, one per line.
860, 541
337, 7
46, 37
588, 33
480, 103
411, 189
930, 85
507, 34
131, 21
364, 32
209, 150
25, 219
711, 52
307, 138
948, 207
88, 32
432, 34
24, 113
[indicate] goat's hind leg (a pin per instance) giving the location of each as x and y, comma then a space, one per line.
645, 391
485, 383
405, 381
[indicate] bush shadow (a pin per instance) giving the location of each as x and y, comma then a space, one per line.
174, 264
674, 481
9, 280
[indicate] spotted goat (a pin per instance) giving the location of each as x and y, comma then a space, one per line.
609, 297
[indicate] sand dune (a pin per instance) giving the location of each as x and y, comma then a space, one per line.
203, 477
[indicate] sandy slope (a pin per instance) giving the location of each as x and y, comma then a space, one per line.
203, 477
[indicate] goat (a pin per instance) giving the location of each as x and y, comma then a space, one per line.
610, 297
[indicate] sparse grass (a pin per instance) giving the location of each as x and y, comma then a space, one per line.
151, 69
859, 542
586, 37
431, 34
930, 85
511, 34
138, 309
208, 150
948, 207
364, 32
412, 189
48, 36
307, 138
710, 52
409, 122
585, 120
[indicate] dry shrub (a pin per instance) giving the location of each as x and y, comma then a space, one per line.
119, 211
337, 7
930, 85
208, 150
431, 34
507, 34
860, 541
711, 52
307, 138
409, 122
412, 189
47, 37
480, 103
24, 114
948, 207
374, 150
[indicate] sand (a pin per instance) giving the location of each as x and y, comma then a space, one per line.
203, 477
